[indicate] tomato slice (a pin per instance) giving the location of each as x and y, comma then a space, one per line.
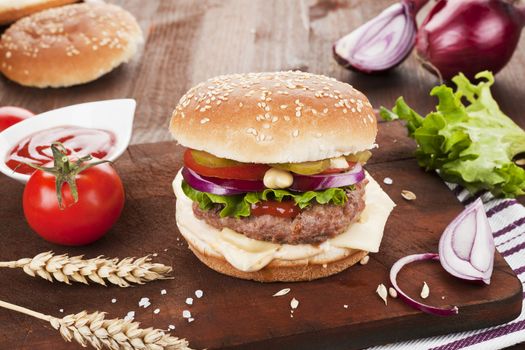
286, 209
240, 172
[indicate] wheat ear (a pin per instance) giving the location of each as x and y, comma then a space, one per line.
64, 268
115, 334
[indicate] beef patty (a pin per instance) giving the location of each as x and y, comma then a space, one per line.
313, 225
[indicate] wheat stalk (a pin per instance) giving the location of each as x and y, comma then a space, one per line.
114, 334
99, 270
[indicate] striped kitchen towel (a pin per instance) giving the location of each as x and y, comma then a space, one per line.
507, 219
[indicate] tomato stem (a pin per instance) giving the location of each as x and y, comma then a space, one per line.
66, 171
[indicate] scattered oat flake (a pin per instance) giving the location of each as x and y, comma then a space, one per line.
186, 314
365, 260
382, 292
294, 303
392, 292
113, 301
130, 316
388, 181
171, 327
163, 292
144, 302
282, 292
199, 293
425, 291
156, 311
408, 195
189, 301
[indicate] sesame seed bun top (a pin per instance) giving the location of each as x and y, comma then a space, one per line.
278, 117
68, 45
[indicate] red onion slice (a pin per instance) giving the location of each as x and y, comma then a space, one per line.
203, 184
411, 302
467, 247
303, 183
381, 43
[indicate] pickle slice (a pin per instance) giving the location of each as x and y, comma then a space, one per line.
209, 160
359, 157
305, 168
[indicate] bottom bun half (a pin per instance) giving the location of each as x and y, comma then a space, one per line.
236, 255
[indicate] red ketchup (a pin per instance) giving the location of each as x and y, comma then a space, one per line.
78, 141
285, 209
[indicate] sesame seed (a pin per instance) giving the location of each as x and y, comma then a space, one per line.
298, 114
295, 133
286, 118
284, 106
204, 120
325, 110
266, 126
8, 54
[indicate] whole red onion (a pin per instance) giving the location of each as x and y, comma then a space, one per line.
469, 36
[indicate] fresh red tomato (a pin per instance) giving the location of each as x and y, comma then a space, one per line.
100, 202
239, 172
285, 209
10, 115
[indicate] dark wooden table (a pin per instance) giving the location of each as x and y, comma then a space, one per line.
189, 41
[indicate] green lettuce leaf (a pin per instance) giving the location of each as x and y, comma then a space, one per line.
472, 144
239, 205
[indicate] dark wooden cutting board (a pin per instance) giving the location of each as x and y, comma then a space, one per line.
237, 314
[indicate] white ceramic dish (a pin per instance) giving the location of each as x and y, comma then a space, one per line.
112, 115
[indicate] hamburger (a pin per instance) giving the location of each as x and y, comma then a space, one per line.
273, 186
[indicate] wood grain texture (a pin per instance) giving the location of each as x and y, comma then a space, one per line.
237, 314
189, 41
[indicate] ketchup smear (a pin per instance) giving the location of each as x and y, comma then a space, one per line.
285, 209
78, 141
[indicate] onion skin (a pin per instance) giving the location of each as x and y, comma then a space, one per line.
394, 270
469, 36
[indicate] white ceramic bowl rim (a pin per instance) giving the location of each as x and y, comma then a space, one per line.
115, 116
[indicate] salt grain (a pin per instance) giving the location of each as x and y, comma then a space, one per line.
156, 311
199, 293
144, 302
163, 292
189, 301
171, 327
61, 310
345, 306
186, 314
113, 301
191, 319
294, 303
130, 316
388, 181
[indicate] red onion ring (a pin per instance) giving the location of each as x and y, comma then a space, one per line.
398, 265
203, 184
303, 183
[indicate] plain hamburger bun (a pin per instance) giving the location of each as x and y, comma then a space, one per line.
11, 10
68, 45
275, 272
280, 117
